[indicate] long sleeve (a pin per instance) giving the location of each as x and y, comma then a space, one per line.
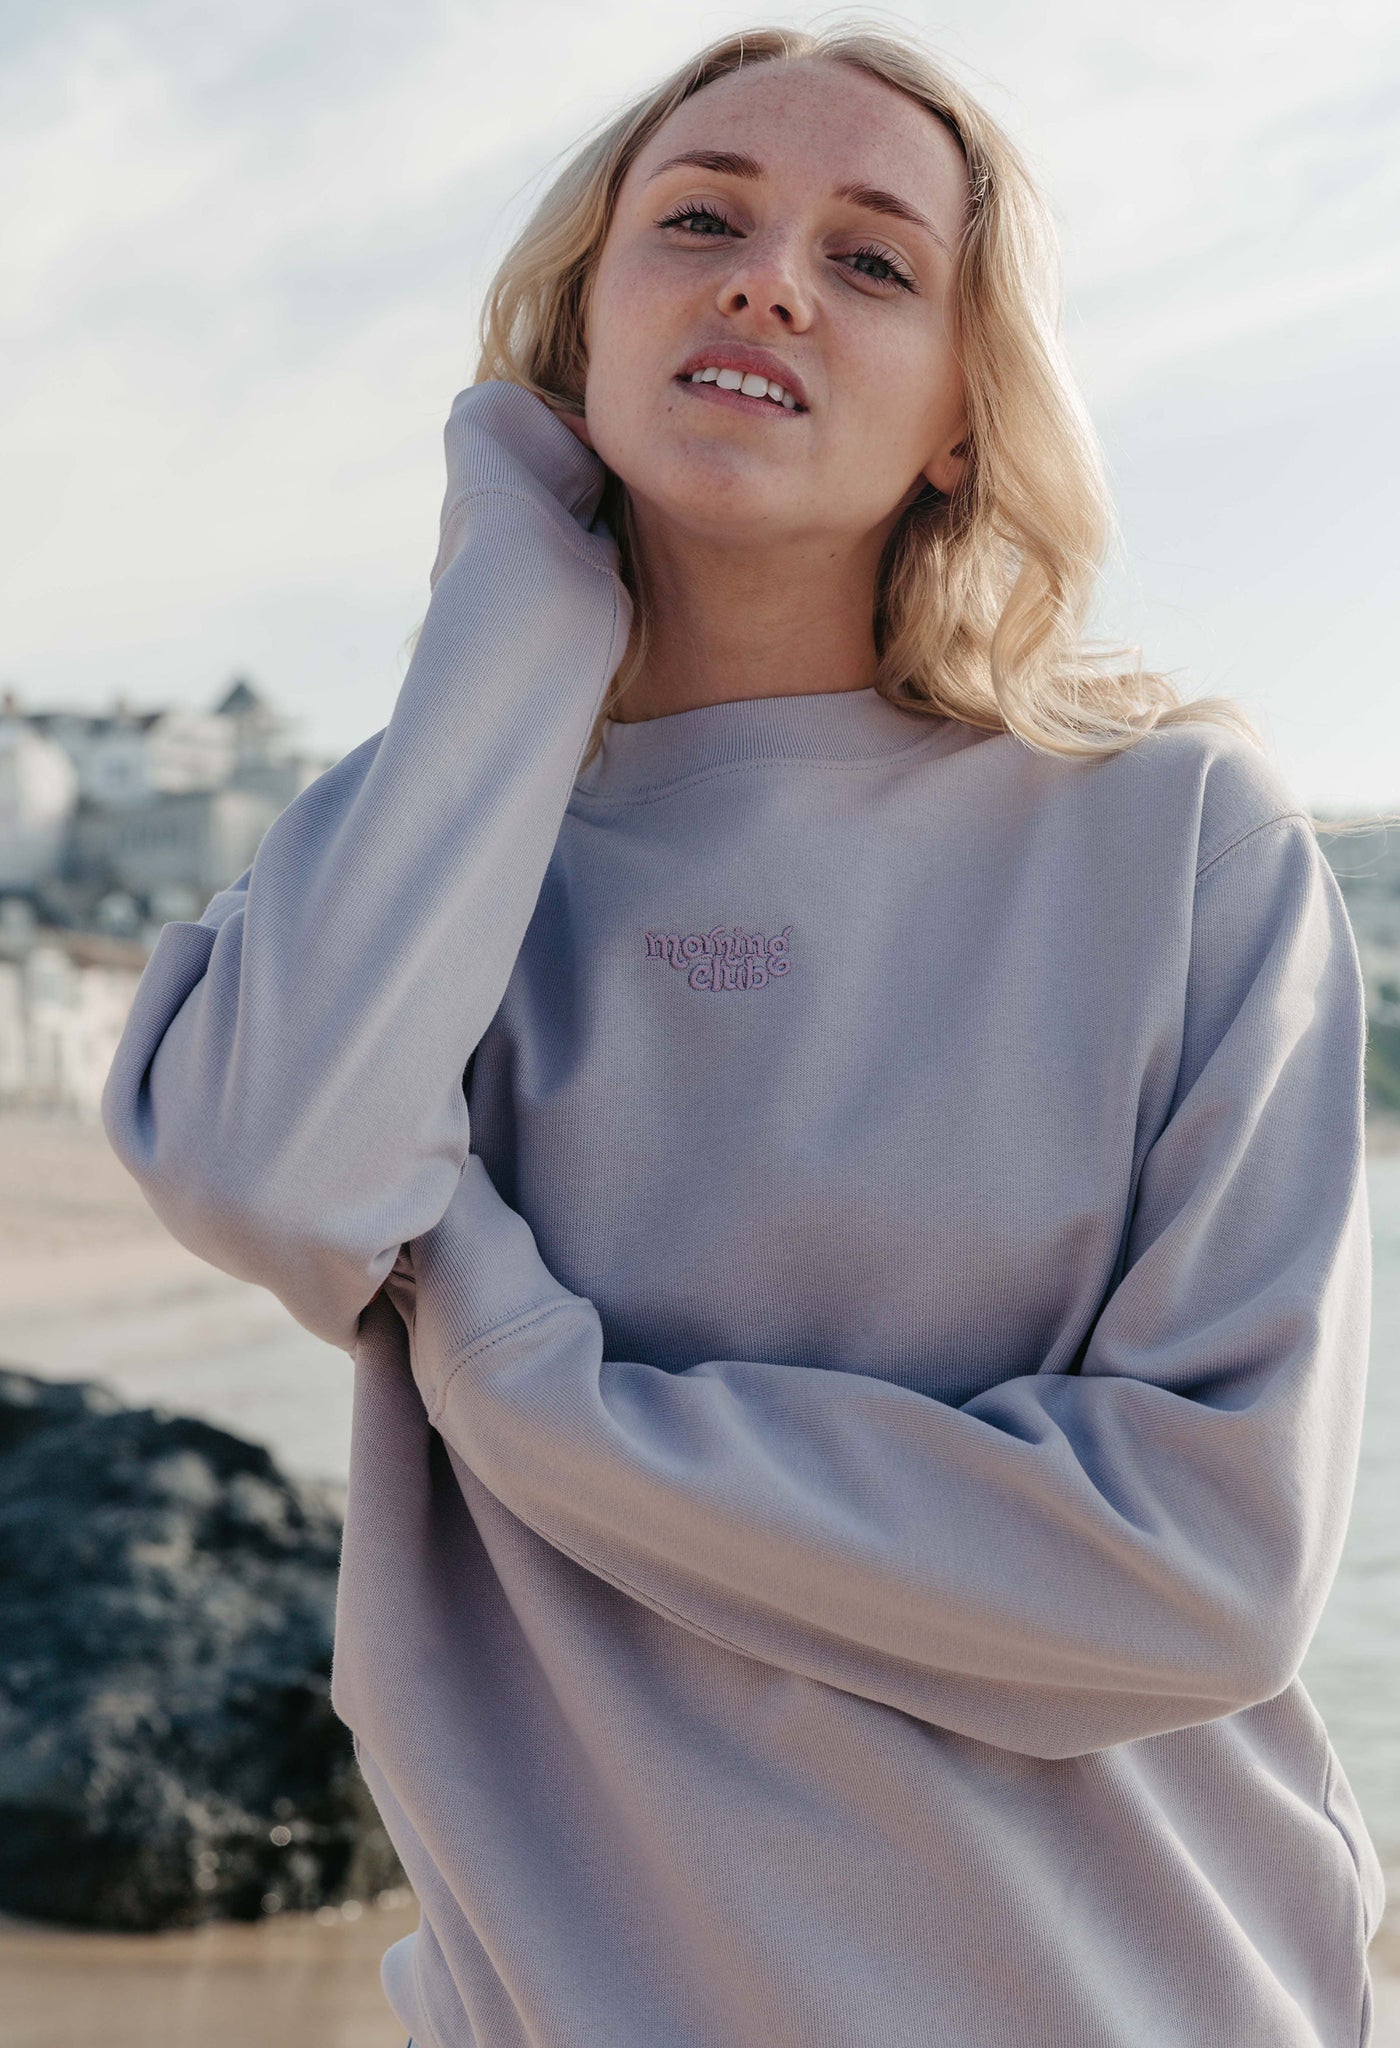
288, 1087
1067, 1560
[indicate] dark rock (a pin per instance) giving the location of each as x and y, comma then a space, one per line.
168, 1750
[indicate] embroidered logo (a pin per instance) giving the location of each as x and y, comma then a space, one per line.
724, 958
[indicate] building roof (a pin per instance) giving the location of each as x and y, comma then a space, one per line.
241, 698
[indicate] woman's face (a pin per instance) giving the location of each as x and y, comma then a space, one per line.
766, 250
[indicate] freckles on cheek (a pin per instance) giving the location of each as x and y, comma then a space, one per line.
646, 315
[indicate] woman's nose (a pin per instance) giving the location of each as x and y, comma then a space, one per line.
767, 280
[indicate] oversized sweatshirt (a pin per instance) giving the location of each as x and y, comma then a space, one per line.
852, 1235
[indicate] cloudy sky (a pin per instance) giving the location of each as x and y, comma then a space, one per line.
244, 250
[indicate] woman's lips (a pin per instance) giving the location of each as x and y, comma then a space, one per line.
713, 394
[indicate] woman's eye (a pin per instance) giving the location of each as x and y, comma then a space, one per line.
894, 274
688, 213
875, 263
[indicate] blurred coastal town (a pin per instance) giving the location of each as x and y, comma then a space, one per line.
114, 822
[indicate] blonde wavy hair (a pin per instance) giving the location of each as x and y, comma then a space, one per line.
981, 595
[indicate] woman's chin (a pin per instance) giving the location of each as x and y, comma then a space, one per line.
721, 496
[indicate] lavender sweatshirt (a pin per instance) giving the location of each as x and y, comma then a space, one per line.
853, 1240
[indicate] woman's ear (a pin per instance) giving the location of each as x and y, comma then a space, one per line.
945, 472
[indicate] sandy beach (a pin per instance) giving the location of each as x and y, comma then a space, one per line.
298, 1981
91, 1283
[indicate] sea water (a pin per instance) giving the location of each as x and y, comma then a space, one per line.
1352, 1668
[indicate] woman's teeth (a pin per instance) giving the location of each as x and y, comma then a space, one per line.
747, 381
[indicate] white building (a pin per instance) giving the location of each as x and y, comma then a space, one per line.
63, 1004
38, 795
111, 824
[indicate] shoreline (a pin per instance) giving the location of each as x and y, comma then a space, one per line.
299, 1980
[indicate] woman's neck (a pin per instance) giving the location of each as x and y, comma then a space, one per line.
730, 623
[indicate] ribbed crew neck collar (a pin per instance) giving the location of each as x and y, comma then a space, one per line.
826, 725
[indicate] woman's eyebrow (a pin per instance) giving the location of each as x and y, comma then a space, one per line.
731, 163
875, 199
734, 164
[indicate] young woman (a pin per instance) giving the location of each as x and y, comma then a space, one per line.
831, 1123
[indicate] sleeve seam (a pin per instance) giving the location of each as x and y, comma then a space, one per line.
1345, 1832
571, 532
1279, 818
485, 1340
612, 1577
497, 1335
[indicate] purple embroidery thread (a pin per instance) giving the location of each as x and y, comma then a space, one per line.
723, 958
